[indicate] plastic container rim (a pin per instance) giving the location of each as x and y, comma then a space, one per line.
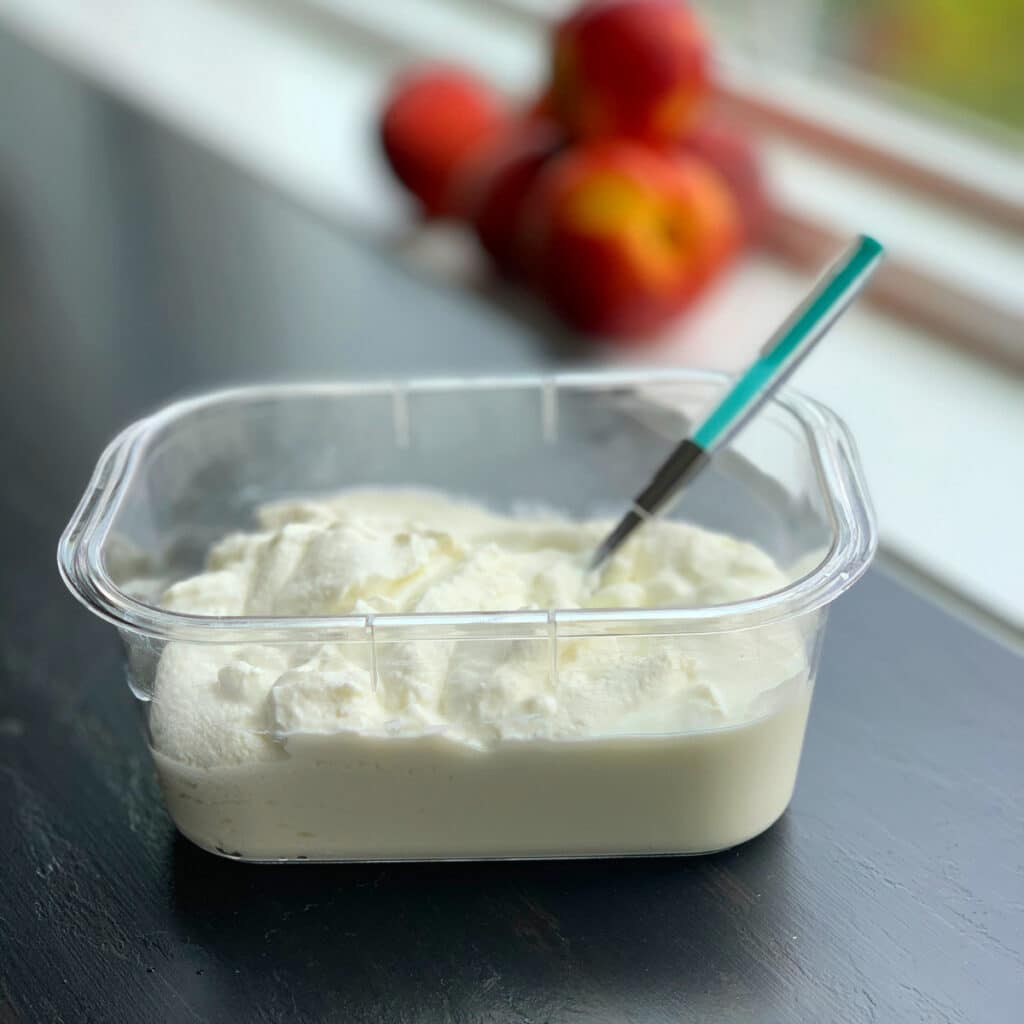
830, 445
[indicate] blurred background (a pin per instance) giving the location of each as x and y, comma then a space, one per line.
194, 192
958, 62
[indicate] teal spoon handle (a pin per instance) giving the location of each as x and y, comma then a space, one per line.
791, 343
779, 357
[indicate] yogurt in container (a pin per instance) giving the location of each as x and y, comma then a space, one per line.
418, 665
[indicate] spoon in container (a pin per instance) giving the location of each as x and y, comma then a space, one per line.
838, 286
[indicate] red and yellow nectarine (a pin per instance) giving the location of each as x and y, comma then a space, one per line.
633, 68
621, 238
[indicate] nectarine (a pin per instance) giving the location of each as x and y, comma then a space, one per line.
635, 68
732, 153
495, 182
542, 107
432, 119
621, 237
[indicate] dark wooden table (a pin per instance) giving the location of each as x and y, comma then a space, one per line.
135, 267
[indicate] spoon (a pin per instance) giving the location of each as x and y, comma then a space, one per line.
809, 322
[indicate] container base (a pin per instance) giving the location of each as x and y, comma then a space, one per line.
241, 858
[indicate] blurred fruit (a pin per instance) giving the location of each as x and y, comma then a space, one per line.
494, 183
635, 68
622, 238
543, 108
432, 120
732, 153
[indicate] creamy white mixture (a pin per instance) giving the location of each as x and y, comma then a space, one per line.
604, 744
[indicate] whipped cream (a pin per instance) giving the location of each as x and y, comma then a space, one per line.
234, 723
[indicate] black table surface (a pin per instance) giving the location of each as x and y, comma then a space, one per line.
136, 267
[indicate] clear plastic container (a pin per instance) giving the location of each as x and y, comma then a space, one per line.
177, 481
